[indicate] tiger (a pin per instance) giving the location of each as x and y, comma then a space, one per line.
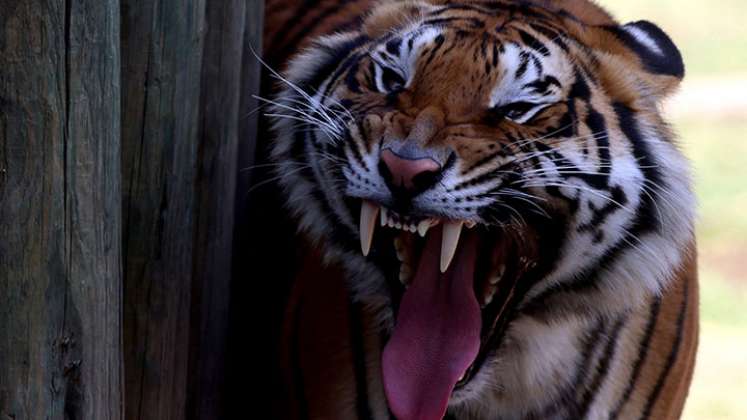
498, 220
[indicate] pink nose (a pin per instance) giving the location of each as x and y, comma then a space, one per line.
403, 171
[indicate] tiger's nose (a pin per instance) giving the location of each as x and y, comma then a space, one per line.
401, 173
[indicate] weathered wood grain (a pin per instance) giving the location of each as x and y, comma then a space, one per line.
216, 189
184, 139
60, 226
162, 46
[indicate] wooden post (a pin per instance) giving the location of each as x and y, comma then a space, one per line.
60, 270
216, 190
162, 46
184, 139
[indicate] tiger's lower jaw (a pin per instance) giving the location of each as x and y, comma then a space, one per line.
452, 305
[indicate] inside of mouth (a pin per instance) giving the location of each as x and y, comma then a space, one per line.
443, 318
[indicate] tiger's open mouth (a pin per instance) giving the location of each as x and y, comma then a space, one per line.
456, 285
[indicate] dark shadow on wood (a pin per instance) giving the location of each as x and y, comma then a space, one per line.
60, 224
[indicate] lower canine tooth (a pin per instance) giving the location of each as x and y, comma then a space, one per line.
489, 296
449, 243
399, 249
369, 212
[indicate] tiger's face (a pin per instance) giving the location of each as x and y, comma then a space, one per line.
484, 170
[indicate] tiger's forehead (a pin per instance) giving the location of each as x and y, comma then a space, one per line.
497, 61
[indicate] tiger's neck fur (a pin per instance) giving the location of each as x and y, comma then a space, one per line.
638, 366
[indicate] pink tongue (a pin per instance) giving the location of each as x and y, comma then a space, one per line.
437, 335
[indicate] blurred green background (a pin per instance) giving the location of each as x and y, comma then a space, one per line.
710, 115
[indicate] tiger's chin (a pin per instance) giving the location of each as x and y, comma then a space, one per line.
454, 287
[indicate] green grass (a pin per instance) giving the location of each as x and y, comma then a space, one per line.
721, 303
719, 152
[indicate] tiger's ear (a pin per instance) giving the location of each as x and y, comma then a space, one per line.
390, 15
656, 50
651, 51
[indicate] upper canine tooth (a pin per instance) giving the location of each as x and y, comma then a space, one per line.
384, 216
449, 242
423, 227
369, 212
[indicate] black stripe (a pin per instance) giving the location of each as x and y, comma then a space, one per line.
294, 20
585, 361
359, 362
353, 146
553, 36
338, 234
290, 46
393, 46
439, 41
579, 89
484, 45
478, 180
461, 6
473, 22
351, 79
524, 64
540, 86
537, 64
345, 66
567, 398
484, 161
598, 127
334, 56
671, 358
643, 348
600, 215
533, 43
602, 370
648, 218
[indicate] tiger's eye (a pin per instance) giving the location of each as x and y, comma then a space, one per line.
517, 109
391, 80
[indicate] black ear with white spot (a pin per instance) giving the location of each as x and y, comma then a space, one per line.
656, 50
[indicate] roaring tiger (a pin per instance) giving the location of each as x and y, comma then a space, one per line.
500, 220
